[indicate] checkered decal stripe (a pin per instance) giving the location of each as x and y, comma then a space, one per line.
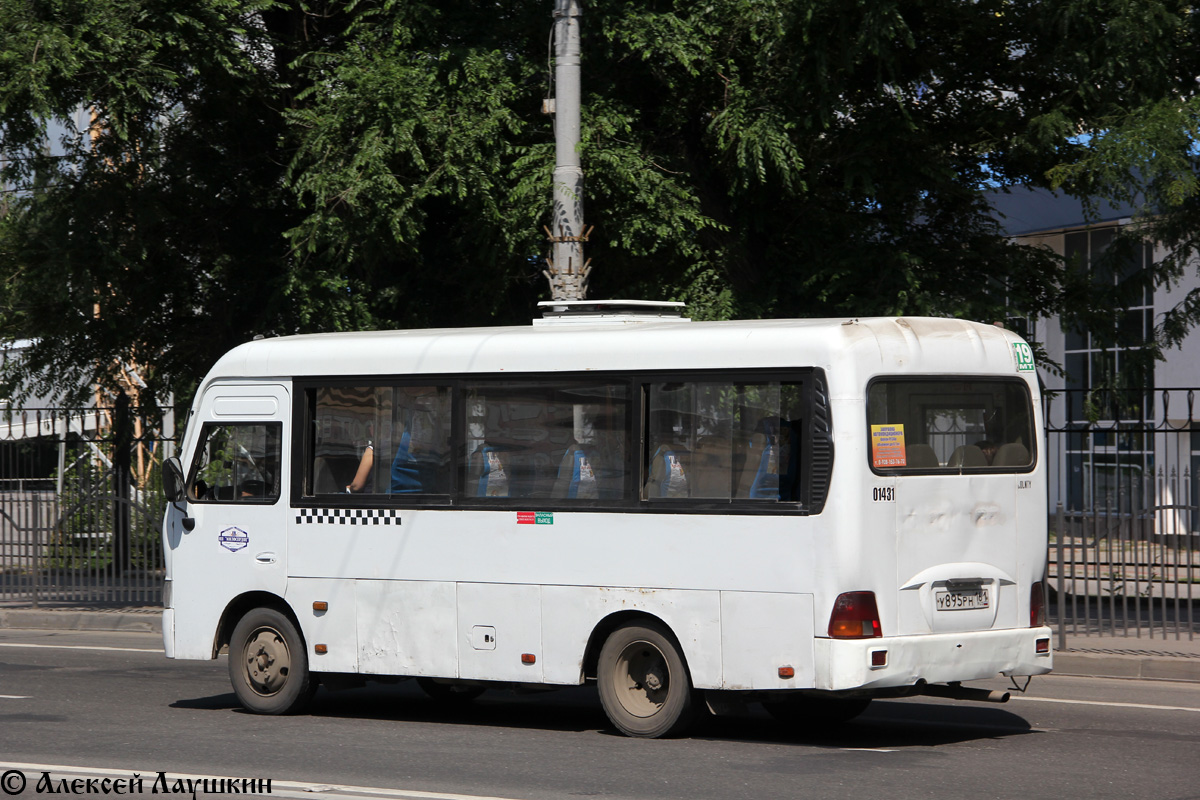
348, 516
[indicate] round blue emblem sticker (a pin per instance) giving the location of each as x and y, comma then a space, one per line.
233, 539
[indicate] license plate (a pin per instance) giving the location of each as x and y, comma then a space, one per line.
962, 600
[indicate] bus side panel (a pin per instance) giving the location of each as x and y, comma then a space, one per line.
334, 627
761, 632
407, 628
571, 613
497, 625
195, 624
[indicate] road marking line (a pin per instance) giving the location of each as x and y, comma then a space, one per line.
297, 789
81, 647
1110, 705
14, 697
867, 750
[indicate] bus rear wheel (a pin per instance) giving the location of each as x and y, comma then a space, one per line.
268, 664
643, 682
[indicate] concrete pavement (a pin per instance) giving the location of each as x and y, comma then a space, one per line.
1172, 659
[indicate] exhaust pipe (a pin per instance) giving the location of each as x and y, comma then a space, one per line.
956, 691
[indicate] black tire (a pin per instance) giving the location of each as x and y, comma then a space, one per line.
810, 713
451, 693
644, 684
268, 664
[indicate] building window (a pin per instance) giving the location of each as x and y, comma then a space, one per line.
1110, 383
1106, 376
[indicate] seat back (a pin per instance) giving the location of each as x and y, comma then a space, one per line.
488, 475
920, 456
1013, 454
668, 472
967, 455
576, 477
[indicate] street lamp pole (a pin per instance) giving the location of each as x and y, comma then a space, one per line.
567, 270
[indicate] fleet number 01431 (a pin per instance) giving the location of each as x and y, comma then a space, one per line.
884, 494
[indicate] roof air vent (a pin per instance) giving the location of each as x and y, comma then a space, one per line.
620, 312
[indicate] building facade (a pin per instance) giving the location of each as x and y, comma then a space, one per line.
1123, 429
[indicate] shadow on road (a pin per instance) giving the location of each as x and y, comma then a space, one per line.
888, 724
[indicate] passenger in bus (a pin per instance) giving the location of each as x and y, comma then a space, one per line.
419, 464
406, 473
362, 475
989, 450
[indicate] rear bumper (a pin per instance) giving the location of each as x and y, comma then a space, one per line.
933, 658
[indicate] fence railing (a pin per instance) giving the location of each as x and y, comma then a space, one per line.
81, 505
1124, 554
81, 509
1118, 575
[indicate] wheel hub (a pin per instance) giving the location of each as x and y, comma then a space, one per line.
267, 661
643, 679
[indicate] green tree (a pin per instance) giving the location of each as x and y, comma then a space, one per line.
150, 236
270, 167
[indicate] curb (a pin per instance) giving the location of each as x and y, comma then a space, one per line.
72, 620
1136, 666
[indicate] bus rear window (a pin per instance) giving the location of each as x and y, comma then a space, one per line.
936, 425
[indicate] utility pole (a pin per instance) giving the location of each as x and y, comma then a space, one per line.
567, 270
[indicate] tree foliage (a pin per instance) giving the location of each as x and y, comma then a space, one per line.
270, 166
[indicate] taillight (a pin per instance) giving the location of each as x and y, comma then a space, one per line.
855, 616
1037, 605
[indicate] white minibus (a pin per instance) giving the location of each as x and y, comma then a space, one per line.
803, 513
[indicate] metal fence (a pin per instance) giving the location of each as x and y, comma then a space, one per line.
81, 505
81, 509
1124, 554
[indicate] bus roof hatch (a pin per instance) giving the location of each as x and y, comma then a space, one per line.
566, 312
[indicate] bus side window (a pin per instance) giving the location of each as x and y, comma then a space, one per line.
546, 439
378, 440
236, 463
723, 441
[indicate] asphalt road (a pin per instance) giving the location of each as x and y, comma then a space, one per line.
109, 704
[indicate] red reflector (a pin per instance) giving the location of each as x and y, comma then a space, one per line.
1042, 645
1037, 605
855, 616
320, 649
787, 672
879, 658
528, 658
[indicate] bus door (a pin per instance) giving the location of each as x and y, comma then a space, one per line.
235, 489
949, 453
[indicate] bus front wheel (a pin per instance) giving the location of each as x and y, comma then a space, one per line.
268, 664
643, 682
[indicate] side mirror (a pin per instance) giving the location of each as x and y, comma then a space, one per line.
173, 487
173, 479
